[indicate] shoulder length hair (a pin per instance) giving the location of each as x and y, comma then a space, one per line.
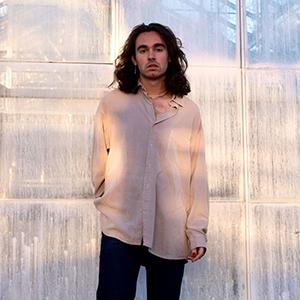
127, 77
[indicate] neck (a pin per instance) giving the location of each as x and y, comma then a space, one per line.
154, 87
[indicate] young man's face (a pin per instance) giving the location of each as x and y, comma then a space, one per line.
151, 55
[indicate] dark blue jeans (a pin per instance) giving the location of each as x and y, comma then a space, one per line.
119, 268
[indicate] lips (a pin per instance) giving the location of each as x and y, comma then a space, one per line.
151, 66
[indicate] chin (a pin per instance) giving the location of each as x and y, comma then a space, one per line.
153, 76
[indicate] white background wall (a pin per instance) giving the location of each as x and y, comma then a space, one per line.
56, 60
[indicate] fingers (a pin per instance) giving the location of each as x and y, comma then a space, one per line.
193, 254
200, 253
196, 254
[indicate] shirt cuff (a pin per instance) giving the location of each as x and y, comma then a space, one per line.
198, 241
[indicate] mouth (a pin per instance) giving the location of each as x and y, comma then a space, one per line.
152, 66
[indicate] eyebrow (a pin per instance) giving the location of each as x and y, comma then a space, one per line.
155, 46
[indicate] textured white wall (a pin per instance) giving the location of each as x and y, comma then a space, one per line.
55, 63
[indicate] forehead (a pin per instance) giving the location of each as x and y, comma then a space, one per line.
149, 39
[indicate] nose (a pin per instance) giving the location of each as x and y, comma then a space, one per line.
151, 54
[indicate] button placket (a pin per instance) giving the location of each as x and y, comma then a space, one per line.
149, 192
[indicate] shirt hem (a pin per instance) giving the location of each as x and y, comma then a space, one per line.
116, 236
134, 243
167, 256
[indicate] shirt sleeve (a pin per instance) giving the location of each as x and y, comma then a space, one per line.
198, 211
100, 152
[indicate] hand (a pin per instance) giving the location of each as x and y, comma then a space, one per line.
196, 254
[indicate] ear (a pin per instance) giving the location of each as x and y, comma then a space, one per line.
133, 60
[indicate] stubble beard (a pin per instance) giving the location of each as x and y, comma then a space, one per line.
153, 77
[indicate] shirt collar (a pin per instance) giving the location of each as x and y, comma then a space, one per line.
177, 100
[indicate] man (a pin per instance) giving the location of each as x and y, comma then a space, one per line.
149, 170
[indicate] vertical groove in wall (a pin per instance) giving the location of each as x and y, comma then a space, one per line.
242, 48
114, 29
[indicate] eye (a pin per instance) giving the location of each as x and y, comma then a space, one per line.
142, 51
160, 49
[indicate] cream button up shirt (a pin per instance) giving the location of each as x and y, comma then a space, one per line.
149, 173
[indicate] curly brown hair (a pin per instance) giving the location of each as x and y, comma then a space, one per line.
175, 80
